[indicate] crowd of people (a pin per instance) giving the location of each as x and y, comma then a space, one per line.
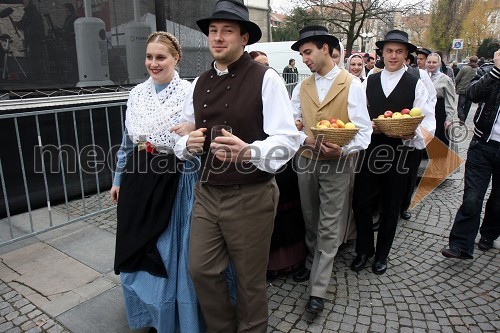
221, 184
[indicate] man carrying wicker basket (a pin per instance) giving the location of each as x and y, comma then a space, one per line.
384, 168
325, 169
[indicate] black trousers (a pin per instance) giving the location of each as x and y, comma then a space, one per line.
414, 159
382, 177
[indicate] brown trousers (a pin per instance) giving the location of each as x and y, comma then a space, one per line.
232, 223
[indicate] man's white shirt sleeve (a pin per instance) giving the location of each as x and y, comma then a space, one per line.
278, 122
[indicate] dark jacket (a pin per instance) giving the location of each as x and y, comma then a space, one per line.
485, 90
464, 77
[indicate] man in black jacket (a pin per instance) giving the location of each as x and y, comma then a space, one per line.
483, 164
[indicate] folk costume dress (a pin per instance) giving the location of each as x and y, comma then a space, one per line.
154, 209
444, 162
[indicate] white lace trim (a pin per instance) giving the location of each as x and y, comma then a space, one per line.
150, 115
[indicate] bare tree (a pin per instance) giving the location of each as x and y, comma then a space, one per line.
349, 19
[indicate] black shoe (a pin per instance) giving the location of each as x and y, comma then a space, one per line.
302, 275
455, 253
379, 267
406, 215
315, 304
376, 225
359, 262
485, 244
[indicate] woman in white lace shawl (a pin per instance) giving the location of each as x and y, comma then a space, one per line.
155, 195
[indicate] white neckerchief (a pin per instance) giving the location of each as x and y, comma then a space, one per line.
150, 115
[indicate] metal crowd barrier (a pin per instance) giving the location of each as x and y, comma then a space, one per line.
291, 86
57, 160
50, 159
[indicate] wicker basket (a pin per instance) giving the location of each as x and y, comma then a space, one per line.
339, 136
399, 126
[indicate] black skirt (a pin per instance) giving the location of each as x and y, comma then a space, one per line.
146, 197
289, 225
441, 132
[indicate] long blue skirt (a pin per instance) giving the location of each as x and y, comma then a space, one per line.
167, 304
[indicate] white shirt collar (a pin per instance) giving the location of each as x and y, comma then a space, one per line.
396, 73
330, 75
219, 72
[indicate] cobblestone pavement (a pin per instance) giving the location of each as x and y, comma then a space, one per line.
421, 291
17, 314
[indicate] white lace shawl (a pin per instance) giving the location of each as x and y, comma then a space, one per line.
150, 115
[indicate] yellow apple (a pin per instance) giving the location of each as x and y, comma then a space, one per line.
406, 116
321, 126
350, 125
397, 115
381, 116
340, 123
415, 112
333, 125
324, 122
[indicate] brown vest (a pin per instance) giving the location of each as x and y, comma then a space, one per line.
333, 106
233, 99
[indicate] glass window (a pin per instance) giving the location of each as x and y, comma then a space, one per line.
53, 45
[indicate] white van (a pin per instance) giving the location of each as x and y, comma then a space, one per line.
279, 53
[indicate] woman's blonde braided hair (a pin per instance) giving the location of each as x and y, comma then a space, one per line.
168, 40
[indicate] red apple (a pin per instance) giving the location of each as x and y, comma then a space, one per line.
333, 121
387, 114
405, 111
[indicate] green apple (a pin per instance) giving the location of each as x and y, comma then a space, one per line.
415, 112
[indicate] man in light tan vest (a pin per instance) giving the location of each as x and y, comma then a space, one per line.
325, 170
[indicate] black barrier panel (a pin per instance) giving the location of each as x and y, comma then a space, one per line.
77, 152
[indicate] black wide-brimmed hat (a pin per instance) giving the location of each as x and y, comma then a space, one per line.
232, 11
396, 36
423, 51
314, 32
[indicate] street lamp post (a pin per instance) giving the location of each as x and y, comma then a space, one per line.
365, 38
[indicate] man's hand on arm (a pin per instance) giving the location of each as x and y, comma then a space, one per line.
299, 125
183, 128
195, 141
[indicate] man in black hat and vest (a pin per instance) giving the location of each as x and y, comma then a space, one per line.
236, 197
422, 54
384, 168
416, 158
325, 170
